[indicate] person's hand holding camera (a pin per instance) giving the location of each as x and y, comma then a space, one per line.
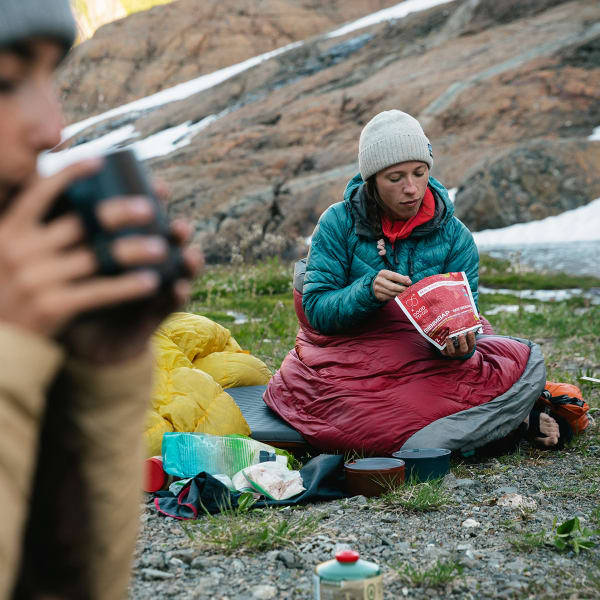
48, 274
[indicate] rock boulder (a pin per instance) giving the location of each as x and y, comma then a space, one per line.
530, 182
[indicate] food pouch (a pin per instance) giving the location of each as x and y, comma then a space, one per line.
441, 306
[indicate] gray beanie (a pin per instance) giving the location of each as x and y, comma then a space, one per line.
21, 19
389, 138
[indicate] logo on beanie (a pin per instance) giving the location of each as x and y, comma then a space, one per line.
430, 150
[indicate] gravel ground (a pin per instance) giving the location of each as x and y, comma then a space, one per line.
472, 530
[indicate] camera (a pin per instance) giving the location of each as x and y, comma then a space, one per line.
122, 174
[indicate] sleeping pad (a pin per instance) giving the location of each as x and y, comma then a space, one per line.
384, 387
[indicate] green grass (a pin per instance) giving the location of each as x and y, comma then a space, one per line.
435, 576
237, 531
527, 541
416, 497
556, 322
578, 489
269, 334
246, 281
262, 292
220, 317
499, 273
530, 454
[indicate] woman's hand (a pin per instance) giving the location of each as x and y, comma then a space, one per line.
47, 273
388, 285
122, 332
465, 344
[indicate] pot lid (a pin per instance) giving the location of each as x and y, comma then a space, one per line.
418, 453
374, 464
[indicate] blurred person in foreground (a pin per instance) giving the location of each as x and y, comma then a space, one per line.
73, 390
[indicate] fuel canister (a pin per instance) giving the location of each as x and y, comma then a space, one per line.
347, 577
155, 478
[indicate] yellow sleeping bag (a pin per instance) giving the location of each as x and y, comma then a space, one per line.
234, 369
195, 359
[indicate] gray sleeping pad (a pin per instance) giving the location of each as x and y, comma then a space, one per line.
266, 425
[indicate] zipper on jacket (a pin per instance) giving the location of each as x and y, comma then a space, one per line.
410, 262
385, 259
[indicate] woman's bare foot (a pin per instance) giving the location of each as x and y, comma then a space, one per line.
549, 427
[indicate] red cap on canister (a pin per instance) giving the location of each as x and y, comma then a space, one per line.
347, 556
154, 477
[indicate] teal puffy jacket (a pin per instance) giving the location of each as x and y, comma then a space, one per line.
343, 260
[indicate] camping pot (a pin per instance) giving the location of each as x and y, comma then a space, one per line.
347, 577
373, 476
425, 463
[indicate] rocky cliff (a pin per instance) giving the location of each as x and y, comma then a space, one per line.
507, 92
170, 44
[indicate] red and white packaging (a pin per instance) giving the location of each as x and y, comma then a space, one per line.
441, 306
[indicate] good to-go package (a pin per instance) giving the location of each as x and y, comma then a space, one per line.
441, 306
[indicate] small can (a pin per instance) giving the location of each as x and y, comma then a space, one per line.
347, 577
155, 478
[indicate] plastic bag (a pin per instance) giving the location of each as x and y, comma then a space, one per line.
241, 484
274, 480
441, 306
187, 454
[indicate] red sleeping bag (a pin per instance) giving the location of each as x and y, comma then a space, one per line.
372, 390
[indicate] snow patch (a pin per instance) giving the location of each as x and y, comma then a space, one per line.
167, 141
52, 162
510, 308
398, 11
544, 295
595, 137
452, 194
159, 144
238, 317
178, 92
579, 224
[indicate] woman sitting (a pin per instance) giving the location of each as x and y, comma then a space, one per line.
361, 377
